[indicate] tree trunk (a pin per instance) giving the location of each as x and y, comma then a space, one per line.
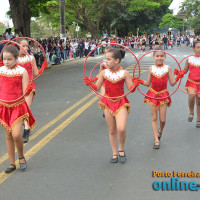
116, 32
21, 16
89, 25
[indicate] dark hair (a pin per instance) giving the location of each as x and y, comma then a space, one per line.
158, 51
197, 42
116, 53
12, 49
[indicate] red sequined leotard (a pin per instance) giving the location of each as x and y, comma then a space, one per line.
114, 86
158, 89
24, 61
11, 90
193, 81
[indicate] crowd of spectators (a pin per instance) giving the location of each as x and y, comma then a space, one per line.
75, 48
58, 50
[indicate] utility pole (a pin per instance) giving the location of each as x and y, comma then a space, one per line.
62, 19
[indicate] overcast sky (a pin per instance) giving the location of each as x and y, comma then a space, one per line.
175, 5
4, 7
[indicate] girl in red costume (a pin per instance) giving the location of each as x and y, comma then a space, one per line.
115, 110
193, 83
24, 61
158, 76
14, 80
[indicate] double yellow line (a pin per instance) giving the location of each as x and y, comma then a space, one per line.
53, 133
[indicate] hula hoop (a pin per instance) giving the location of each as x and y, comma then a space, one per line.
98, 94
2, 42
179, 86
158, 98
41, 47
93, 70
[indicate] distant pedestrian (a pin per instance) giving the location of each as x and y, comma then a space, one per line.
9, 35
165, 39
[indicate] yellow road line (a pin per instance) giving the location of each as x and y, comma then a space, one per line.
52, 122
30, 153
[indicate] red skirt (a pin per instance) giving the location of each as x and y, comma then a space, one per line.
114, 107
194, 86
10, 114
157, 103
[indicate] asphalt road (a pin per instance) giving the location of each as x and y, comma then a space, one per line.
69, 153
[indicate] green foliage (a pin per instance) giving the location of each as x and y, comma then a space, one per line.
36, 30
97, 16
191, 7
171, 21
53, 17
38, 6
2, 28
195, 24
136, 5
119, 17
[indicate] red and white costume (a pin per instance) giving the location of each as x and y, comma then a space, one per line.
11, 90
114, 86
158, 89
24, 61
193, 81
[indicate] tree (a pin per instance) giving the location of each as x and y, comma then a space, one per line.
191, 7
2, 27
192, 10
89, 12
54, 14
36, 31
195, 24
119, 17
171, 21
143, 5
21, 12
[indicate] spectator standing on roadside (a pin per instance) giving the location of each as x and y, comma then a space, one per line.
81, 46
49, 51
165, 41
86, 48
9, 35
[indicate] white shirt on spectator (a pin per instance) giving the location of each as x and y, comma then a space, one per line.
9, 36
86, 45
